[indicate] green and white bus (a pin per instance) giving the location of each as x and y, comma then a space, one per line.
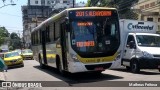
78, 40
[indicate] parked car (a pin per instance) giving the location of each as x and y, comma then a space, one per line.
19, 51
13, 59
1, 55
27, 54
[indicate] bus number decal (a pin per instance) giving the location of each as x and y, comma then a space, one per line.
85, 44
79, 13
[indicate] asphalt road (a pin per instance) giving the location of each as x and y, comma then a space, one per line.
81, 81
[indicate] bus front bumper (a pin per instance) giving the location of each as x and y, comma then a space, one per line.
75, 67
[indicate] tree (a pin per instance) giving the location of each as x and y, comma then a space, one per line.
15, 42
4, 34
14, 36
123, 6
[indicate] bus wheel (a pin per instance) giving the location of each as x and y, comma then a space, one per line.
41, 64
98, 72
61, 71
135, 67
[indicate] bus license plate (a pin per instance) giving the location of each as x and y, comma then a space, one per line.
99, 68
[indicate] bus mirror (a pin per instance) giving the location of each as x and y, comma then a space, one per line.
58, 46
67, 24
132, 45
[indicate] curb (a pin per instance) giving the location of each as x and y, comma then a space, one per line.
2, 76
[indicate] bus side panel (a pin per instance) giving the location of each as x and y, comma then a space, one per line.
36, 50
51, 54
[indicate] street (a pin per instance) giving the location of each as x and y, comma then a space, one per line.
32, 72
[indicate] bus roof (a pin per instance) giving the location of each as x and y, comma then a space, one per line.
66, 11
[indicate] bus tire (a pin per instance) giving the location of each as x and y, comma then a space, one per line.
98, 72
135, 66
59, 66
22, 65
40, 62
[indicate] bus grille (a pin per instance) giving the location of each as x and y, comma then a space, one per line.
92, 67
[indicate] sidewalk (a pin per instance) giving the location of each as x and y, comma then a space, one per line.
2, 76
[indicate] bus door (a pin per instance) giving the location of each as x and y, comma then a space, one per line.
43, 33
63, 45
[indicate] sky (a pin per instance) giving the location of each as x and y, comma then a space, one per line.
11, 16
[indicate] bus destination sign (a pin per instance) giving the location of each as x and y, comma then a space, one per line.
93, 13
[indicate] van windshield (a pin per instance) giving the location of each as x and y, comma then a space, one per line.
148, 40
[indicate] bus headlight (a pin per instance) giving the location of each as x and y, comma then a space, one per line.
146, 54
74, 58
118, 56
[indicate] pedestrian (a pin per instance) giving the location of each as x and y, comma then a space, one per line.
3, 66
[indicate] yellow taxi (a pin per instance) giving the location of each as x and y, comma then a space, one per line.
27, 54
13, 59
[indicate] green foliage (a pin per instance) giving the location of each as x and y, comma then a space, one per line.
11, 48
3, 34
88, 3
14, 36
123, 7
15, 41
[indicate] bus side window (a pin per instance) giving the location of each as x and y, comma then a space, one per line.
57, 31
40, 36
51, 33
129, 40
47, 34
54, 31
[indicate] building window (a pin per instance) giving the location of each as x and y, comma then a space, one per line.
142, 7
147, 6
152, 4
52, 2
48, 2
64, 1
43, 2
36, 2
149, 19
158, 19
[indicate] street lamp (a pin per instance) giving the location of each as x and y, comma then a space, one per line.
7, 5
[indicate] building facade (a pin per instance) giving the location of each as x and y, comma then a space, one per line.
37, 11
149, 10
33, 15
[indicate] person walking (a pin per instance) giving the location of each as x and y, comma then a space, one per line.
3, 66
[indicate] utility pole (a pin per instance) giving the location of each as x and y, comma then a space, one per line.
73, 3
7, 5
20, 39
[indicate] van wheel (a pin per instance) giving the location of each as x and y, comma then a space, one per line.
135, 67
128, 68
22, 65
41, 64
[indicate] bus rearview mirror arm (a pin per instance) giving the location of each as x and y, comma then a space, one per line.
67, 24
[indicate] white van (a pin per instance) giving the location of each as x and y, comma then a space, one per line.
140, 45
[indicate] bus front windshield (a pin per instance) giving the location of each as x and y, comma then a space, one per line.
98, 37
148, 40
